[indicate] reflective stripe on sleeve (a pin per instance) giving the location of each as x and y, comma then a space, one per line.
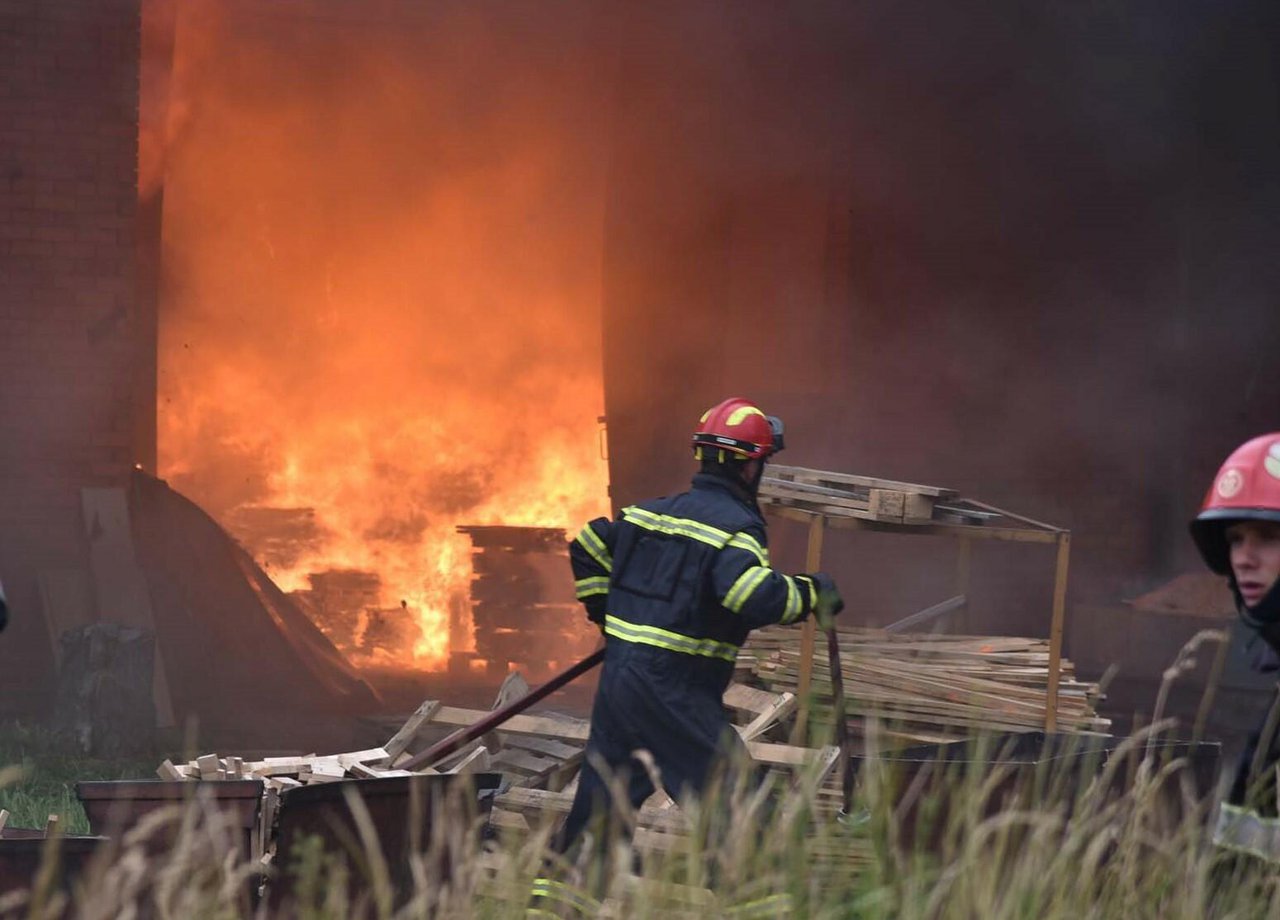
589, 587
751, 545
672, 641
744, 587
589, 540
794, 603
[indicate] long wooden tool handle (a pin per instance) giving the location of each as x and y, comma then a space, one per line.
842, 724
446, 746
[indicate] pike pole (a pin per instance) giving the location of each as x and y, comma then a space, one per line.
446, 746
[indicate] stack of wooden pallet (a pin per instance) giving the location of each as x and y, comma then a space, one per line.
928, 688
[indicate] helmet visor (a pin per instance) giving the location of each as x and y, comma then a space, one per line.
776, 428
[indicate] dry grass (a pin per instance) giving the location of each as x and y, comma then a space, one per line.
959, 841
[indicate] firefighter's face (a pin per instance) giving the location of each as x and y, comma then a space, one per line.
1255, 558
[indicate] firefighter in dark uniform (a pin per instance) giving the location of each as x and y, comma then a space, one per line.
676, 584
1238, 534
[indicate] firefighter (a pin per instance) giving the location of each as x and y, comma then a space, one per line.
676, 584
1238, 534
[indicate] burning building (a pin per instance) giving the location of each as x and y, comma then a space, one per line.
350, 277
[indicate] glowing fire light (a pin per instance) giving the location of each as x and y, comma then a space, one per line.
380, 306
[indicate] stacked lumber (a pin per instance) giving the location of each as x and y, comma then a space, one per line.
928, 688
523, 610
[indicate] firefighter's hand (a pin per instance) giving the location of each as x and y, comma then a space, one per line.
830, 603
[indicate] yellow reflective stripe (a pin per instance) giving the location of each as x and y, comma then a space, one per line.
775, 905
744, 587
794, 605
680, 527
588, 587
595, 546
751, 545
558, 891
672, 641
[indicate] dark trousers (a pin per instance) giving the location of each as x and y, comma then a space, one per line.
657, 703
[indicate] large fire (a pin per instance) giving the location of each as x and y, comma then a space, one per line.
382, 278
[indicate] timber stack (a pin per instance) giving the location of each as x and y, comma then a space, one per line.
929, 688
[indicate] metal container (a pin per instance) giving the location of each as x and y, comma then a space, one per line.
408, 815
114, 807
22, 850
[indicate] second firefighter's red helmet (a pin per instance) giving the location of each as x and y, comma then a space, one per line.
1246, 488
739, 426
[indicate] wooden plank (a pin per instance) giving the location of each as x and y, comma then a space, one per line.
817, 495
546, 746
168, 771
1055, 631
561, 727
477, 761
749, 699
785, 705
808, 632
373, 757
525, 763
208, 765
406, 734
120, 590
868, 482
785, 755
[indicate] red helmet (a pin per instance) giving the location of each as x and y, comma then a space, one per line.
1246, 488
738, 426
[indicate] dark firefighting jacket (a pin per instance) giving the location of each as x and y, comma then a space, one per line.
686, 575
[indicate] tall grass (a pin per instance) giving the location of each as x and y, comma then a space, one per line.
977, 836
997, 844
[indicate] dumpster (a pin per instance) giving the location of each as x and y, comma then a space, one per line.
409, 815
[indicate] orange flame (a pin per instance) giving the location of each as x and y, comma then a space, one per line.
379, 305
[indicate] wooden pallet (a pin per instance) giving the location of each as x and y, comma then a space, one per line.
845, 495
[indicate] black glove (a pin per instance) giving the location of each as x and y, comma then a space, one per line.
830, 603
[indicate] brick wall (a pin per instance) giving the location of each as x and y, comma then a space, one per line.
69, 328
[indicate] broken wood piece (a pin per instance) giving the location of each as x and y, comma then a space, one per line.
476, 761
167, 771
208, 765
446, 764
325, 770
51, 826
401, 740
783, 707
372, 757
751, 700
546, 746
277, 766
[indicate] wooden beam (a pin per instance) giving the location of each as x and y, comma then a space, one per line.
808, 632
409, 731
1055, 631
